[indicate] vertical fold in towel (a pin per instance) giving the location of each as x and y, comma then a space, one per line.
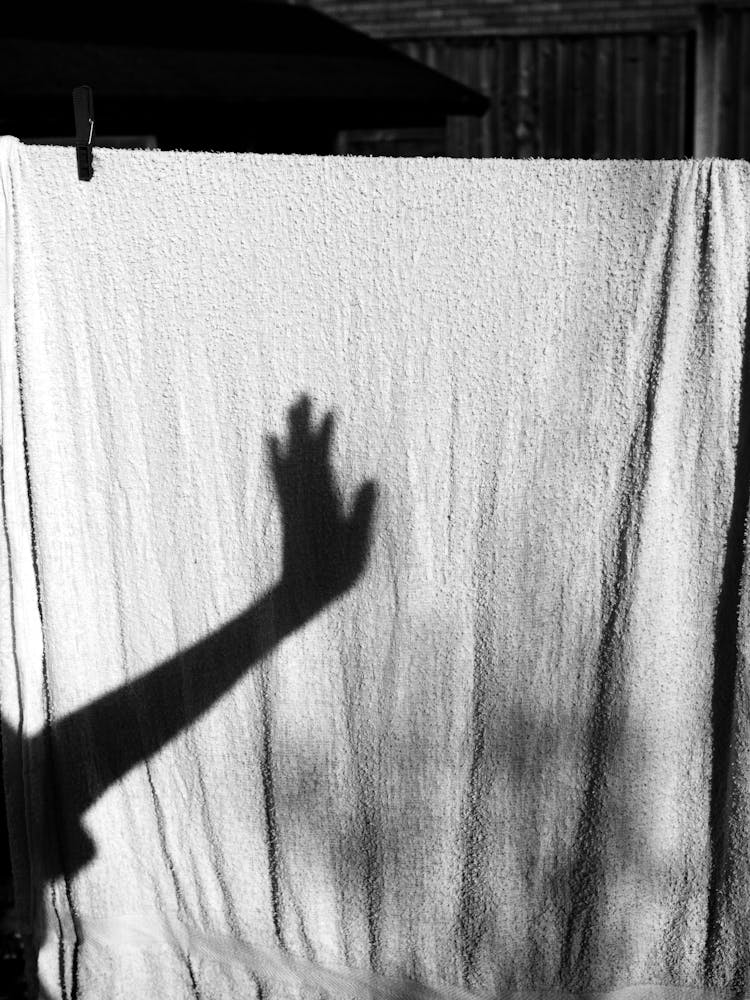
33, 802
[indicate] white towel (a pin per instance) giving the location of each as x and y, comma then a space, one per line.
483, 730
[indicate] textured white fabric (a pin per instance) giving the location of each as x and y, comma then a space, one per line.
510, 756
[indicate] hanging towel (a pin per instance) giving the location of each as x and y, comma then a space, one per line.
374, 614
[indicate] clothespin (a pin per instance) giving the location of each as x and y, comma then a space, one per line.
83, 110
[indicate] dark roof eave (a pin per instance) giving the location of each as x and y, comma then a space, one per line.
300, 53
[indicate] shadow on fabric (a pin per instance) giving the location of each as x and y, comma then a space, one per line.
324, 553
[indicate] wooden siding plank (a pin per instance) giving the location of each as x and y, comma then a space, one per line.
677, 100
507, 76
723, 60
546, 79
585, 96
743, 130
604, 107
648, 101
731, 89
557, 148
686, 92
706, 89
663, 124
642, 78
467, 63
628, 97
565, 97
525, 115
638, 76
496, 109
454, 61
576, 96
619, 58
485, 57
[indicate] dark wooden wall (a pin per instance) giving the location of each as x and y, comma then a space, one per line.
602, 78
590, 96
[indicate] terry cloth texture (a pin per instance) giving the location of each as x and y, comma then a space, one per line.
480, 730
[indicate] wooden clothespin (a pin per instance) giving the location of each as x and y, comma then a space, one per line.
83, 110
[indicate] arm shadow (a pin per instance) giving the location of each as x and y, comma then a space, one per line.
325, 552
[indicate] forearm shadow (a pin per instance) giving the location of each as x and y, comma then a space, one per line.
325, 551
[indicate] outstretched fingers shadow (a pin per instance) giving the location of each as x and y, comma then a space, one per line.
324, 553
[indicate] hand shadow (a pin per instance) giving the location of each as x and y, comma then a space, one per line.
324, 553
